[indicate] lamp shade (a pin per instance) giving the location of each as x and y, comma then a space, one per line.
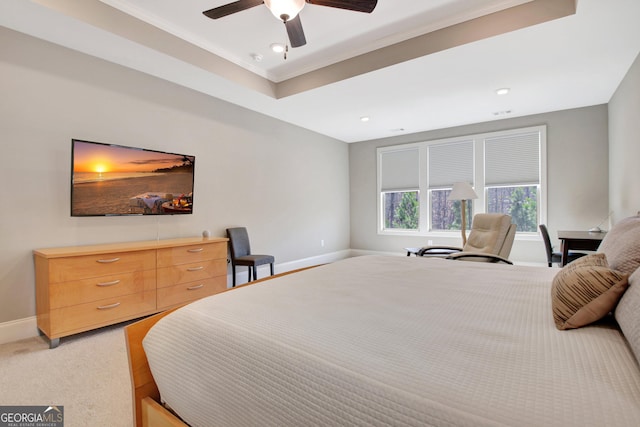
285, 10
462, 191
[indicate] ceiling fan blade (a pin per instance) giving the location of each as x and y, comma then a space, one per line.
228, 9
366, 6
295, 32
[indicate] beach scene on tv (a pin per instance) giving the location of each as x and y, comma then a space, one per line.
117, 180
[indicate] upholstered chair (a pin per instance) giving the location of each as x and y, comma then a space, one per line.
240, 250
490, 240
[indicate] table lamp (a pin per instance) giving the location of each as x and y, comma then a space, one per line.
463, 191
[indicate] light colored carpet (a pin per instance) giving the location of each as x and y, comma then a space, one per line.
88, 374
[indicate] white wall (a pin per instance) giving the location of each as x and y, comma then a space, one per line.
577, 173
289, 186
624, 140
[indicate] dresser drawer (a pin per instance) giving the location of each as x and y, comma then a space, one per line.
187, 292
192, 253
86, 266
99, 288
95, 314
185, 273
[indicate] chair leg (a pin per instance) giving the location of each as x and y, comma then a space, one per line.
233, 275
271, 268
255, 272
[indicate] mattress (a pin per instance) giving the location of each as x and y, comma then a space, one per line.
392, 341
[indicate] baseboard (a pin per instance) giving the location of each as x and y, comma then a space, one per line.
17, 330
242, 274
361, 252
311, 261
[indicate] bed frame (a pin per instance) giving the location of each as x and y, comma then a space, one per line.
147, 409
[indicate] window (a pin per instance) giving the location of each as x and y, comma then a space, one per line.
448, 163
445, 214
401, 210
505, 168
399, 184
521, 202
512, 177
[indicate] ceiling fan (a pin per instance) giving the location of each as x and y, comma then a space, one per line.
287, 11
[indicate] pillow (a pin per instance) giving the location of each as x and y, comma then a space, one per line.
621, 245
628, 315
582, 293
591, 260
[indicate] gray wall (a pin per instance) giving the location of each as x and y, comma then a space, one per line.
577, 176
624, 141
289, 186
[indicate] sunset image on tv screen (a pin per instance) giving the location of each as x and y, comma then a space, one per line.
118, 180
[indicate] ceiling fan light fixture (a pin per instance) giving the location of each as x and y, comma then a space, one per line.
285, 10
277, 47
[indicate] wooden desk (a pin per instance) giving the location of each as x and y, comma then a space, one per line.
581, 240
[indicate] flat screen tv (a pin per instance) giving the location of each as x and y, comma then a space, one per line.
110, 180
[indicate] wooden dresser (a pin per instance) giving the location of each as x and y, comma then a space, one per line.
86, 287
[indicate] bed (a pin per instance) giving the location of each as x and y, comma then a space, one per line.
388, 341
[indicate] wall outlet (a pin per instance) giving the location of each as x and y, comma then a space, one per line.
322, 243
430, 242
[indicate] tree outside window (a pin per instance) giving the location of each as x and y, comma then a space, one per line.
445, 214
401, 210
519, 202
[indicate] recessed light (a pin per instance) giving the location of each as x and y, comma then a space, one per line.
256, 57
503, 91
365, 119
277, 47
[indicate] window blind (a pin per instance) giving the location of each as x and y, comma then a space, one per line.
513, 159
400, 170
450, 163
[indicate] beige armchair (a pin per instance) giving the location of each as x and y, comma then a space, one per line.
490, 240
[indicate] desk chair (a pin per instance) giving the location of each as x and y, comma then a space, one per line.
240, 250
556, 257
490, 240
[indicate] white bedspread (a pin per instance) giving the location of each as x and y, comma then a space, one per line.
402, 341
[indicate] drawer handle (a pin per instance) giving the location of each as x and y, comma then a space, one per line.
107, 261
107, 307
195, 250
115, 282
195, 268
193, 288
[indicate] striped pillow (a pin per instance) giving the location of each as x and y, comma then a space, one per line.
591, 260
586, 291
